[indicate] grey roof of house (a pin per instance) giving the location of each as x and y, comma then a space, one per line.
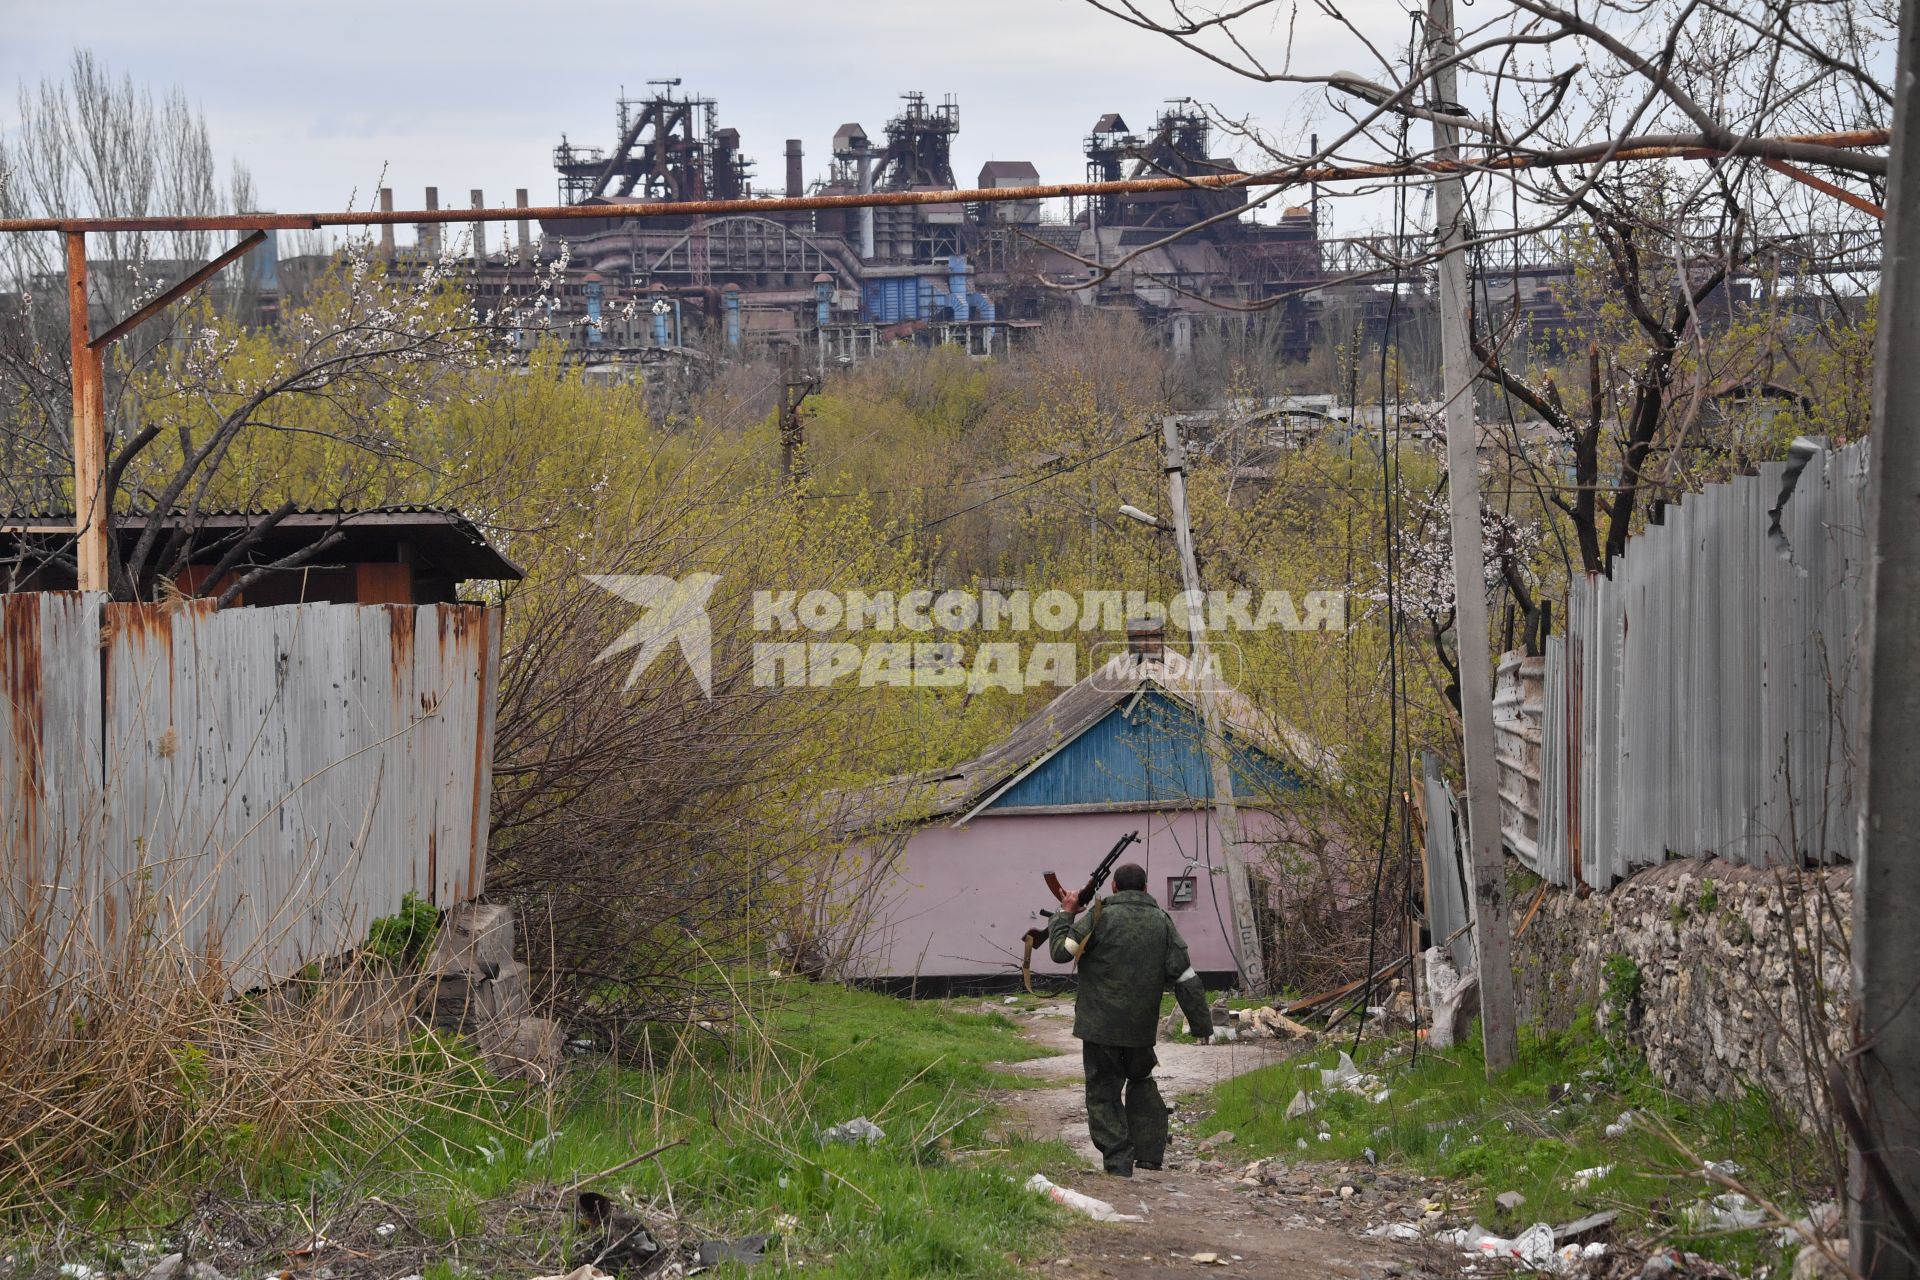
952, 791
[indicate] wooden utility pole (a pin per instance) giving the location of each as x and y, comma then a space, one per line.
1246, 950
1885, 1158
1490, 932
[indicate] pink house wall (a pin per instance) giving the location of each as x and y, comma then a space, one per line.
958, 899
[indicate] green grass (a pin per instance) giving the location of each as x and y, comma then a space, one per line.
1443, 1118
940, 1196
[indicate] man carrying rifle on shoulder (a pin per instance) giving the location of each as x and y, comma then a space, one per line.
1127, 951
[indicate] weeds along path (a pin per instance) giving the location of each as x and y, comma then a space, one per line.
1198, 1206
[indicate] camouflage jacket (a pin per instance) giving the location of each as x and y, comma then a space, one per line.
1128, 952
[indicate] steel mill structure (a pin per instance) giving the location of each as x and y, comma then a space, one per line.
843, 283
839, 284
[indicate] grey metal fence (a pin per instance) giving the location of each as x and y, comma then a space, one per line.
259, 783
1707, 697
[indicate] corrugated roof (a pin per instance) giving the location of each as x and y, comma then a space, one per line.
957, 789
454, 542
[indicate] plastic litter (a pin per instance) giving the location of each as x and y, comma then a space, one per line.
1395, 1231
1619, 1127
1098, 1210
1729, 1212
1532, 1248
856, 1132
1584, 1178
1342, 1072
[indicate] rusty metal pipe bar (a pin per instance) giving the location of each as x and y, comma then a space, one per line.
177, 292
1852, 140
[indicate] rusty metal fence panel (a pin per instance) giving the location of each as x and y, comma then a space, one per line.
1707, 697
260, 783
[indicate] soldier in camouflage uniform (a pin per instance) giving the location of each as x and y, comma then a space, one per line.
1128, 951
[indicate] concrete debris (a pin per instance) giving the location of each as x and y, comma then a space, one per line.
1618, 1128
1218, 1140
1265, 1023
856, 1132
168, 1268
1823, 1221
1722, 1169
585, 1271
1587, 1229
747, 1250
1098, 1210
472, 984
1828, 1263
1510, 1201
1300, 1106
1455, 1000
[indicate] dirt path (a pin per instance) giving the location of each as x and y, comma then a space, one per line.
1298, 1226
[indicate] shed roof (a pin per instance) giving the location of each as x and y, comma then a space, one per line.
447, 540
959, 789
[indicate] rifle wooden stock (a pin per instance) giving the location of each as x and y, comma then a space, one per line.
1037, 937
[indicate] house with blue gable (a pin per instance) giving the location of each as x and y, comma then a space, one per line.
953, 860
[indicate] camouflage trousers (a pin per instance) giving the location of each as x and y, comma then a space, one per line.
1125, 1114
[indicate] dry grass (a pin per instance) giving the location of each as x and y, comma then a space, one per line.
131, 1071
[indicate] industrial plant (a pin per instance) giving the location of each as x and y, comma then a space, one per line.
840, 284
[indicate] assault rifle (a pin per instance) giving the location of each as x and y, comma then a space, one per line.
1035, 937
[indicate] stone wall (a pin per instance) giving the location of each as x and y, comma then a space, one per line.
1742, 972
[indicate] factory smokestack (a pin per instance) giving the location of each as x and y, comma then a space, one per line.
796, 177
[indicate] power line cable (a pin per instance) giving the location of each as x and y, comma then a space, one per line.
1021, 488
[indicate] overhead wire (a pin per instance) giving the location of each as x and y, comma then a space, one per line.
1396, 688
1041, 479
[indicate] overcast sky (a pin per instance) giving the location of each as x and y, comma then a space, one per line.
318, 99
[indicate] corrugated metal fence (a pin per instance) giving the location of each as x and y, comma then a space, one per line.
1706, 698
264, 781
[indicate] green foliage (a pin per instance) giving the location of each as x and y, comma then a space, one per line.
404, 937
1444, 1118
1709, 896
940, 1196
1620, 980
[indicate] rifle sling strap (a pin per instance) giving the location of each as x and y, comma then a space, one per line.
1026, 960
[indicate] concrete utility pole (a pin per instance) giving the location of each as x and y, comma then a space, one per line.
794, 390
1490, 928
1886, 889
1247, 937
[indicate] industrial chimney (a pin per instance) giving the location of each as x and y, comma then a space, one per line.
1146, 637
796, 176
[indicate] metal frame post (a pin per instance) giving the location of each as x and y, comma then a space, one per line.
90, 499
